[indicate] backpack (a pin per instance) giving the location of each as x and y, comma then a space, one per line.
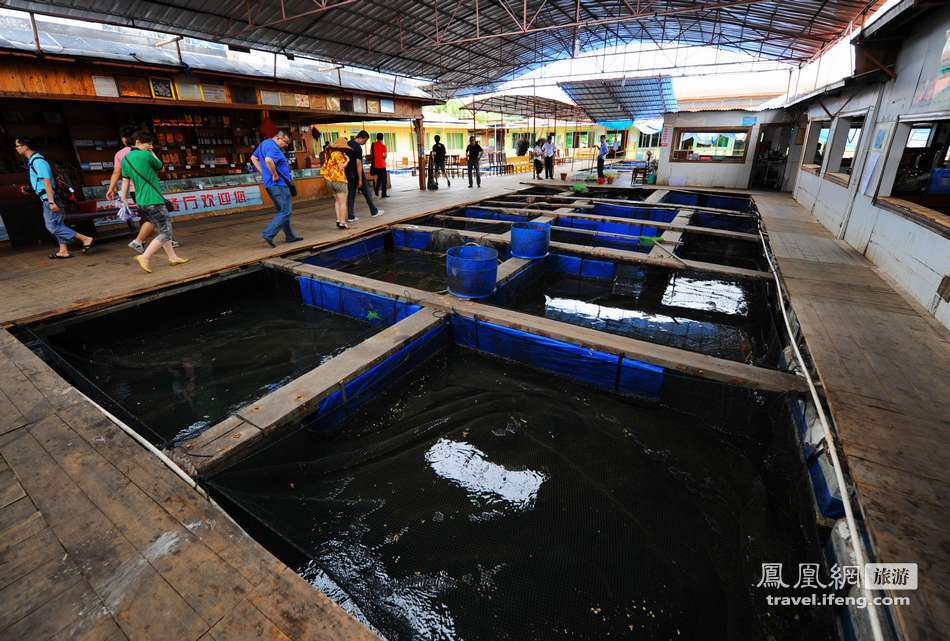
63, 190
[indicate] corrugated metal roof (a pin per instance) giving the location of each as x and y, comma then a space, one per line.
92, 42
623, 99
464, 43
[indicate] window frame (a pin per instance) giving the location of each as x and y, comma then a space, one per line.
736, 160
811, 145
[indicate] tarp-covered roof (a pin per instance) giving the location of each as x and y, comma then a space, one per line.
544, 102
623, 99
464, 43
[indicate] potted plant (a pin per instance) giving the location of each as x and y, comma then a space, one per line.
610, 176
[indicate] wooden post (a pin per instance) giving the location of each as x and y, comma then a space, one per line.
419, 131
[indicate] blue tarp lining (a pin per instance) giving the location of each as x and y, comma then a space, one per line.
706, 219
682, 198
475, 212
624, 243
581, 267
600, 369
821, 472
334, 409
371, 308
640, 213
411, 239
348, 253
734, 203
628, 229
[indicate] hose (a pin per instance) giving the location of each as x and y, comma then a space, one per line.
832, 449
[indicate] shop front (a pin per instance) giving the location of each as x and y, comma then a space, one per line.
205, 130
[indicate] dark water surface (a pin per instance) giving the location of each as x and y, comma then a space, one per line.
421, 270
688, 311
483, 501
185, 362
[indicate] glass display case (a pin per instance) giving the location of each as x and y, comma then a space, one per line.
203, 182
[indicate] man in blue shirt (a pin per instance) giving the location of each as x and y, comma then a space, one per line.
42, 183
601, 155
270, 161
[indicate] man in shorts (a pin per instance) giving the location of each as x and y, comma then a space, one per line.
140, 166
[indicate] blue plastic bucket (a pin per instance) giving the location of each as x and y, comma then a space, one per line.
530, 240
472, 271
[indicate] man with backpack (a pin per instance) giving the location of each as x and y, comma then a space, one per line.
271, 163
49, 187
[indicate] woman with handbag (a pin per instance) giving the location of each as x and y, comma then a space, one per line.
140, 166
334, 172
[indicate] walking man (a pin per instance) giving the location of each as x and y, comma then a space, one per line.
355, 179
473, 155
42, 183
270, 161
438, 160
601, 156
139, 167
377, 152
549, 150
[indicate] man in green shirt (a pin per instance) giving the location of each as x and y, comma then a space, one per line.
140, 166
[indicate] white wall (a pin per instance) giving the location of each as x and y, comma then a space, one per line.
714, 174
913, 255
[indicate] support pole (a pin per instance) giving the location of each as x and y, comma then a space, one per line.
36, 34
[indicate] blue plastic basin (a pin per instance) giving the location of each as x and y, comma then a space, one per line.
472, 271
530, 240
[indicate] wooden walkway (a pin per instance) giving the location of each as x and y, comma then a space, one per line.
33, 287
99, 541
885, 368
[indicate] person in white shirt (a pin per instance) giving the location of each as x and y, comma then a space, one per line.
538, 154
549, 150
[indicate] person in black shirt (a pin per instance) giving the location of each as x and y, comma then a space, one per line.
356, 180
473, 154
438, 161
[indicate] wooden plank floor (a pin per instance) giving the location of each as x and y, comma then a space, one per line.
100, 541
33, 287
885, 367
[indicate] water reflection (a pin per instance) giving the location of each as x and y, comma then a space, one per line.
469, 468
707, 295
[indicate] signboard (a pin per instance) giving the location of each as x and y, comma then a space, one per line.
214, 93
666, 136
749, 121
105, 86
196, 202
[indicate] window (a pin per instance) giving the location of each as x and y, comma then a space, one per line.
454, 140
388, 139
923, 171
649, 140
816, 146
852, 138
709, 145
577, 139
919, 137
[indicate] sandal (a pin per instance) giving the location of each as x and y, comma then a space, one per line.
86, 248
59, 257
342, 226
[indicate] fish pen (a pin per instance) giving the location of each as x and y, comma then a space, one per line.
608, 439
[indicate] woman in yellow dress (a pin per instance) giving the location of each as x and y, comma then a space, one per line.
332, 172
